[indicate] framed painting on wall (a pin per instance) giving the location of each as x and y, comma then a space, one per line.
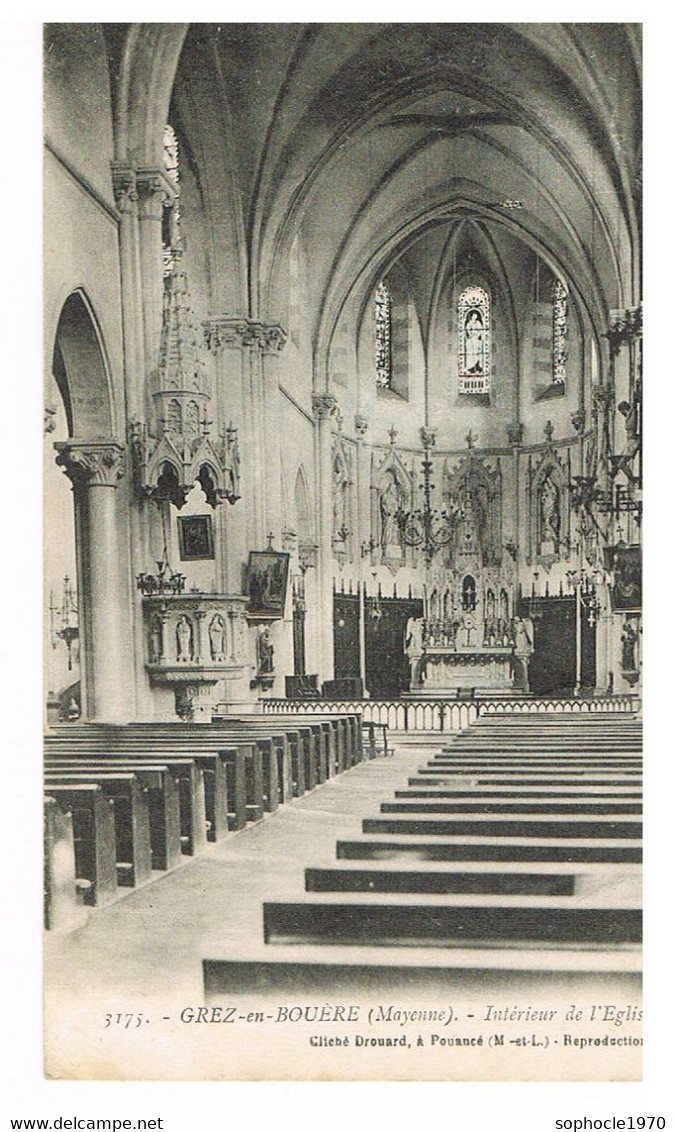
195, 537
267, 575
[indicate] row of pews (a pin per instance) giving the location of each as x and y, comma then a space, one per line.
124, 803
523, 832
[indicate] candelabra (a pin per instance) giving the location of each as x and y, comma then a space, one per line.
165, 581
427, 528
586, 585
65, 617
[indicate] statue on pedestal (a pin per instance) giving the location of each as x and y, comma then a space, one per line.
216, 637
266, 653
184, 639
524, 640
413, 647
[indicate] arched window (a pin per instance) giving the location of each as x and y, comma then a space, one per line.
171, 214
382, 312
559, 332
474, 344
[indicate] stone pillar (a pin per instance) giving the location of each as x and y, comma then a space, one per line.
363, 527
155, 191
126, 198
95, 467
517, 537
324, 406
271, 339
259, 344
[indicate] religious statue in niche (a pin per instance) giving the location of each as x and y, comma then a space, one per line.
490, 620
629, 646
266, 652
474, 343
183, 639
156, 643
390, 505
549, 512
217, 637
503, 619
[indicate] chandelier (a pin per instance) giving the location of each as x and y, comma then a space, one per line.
427, 528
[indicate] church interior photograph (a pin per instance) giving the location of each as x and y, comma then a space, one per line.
343, 493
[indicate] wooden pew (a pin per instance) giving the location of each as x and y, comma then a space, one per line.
93, 838
190, 776
132, 822
215, 771
164, 809
63, 904
248, 774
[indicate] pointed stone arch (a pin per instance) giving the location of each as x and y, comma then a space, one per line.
81, 371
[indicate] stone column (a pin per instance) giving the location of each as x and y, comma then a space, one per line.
126, 198
95, 467
324, 406
515, 437
253, 340
271, 339
155, 191
363, 527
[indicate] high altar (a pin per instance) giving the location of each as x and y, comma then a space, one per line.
469, 636
443, 663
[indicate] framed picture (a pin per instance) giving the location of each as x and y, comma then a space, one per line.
267, 574
195, 537
626, 593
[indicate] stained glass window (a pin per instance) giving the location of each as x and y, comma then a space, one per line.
559, 332
171, 215
474, 345
382, 306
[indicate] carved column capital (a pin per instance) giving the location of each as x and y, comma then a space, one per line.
578, 419
361, 425
271, 337
428, 436
124, 187
155, 191
238, 332
96, 462
515, 433
324, 405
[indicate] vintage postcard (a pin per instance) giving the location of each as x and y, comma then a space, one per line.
343, 627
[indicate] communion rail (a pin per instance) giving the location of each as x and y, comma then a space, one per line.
449, 715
